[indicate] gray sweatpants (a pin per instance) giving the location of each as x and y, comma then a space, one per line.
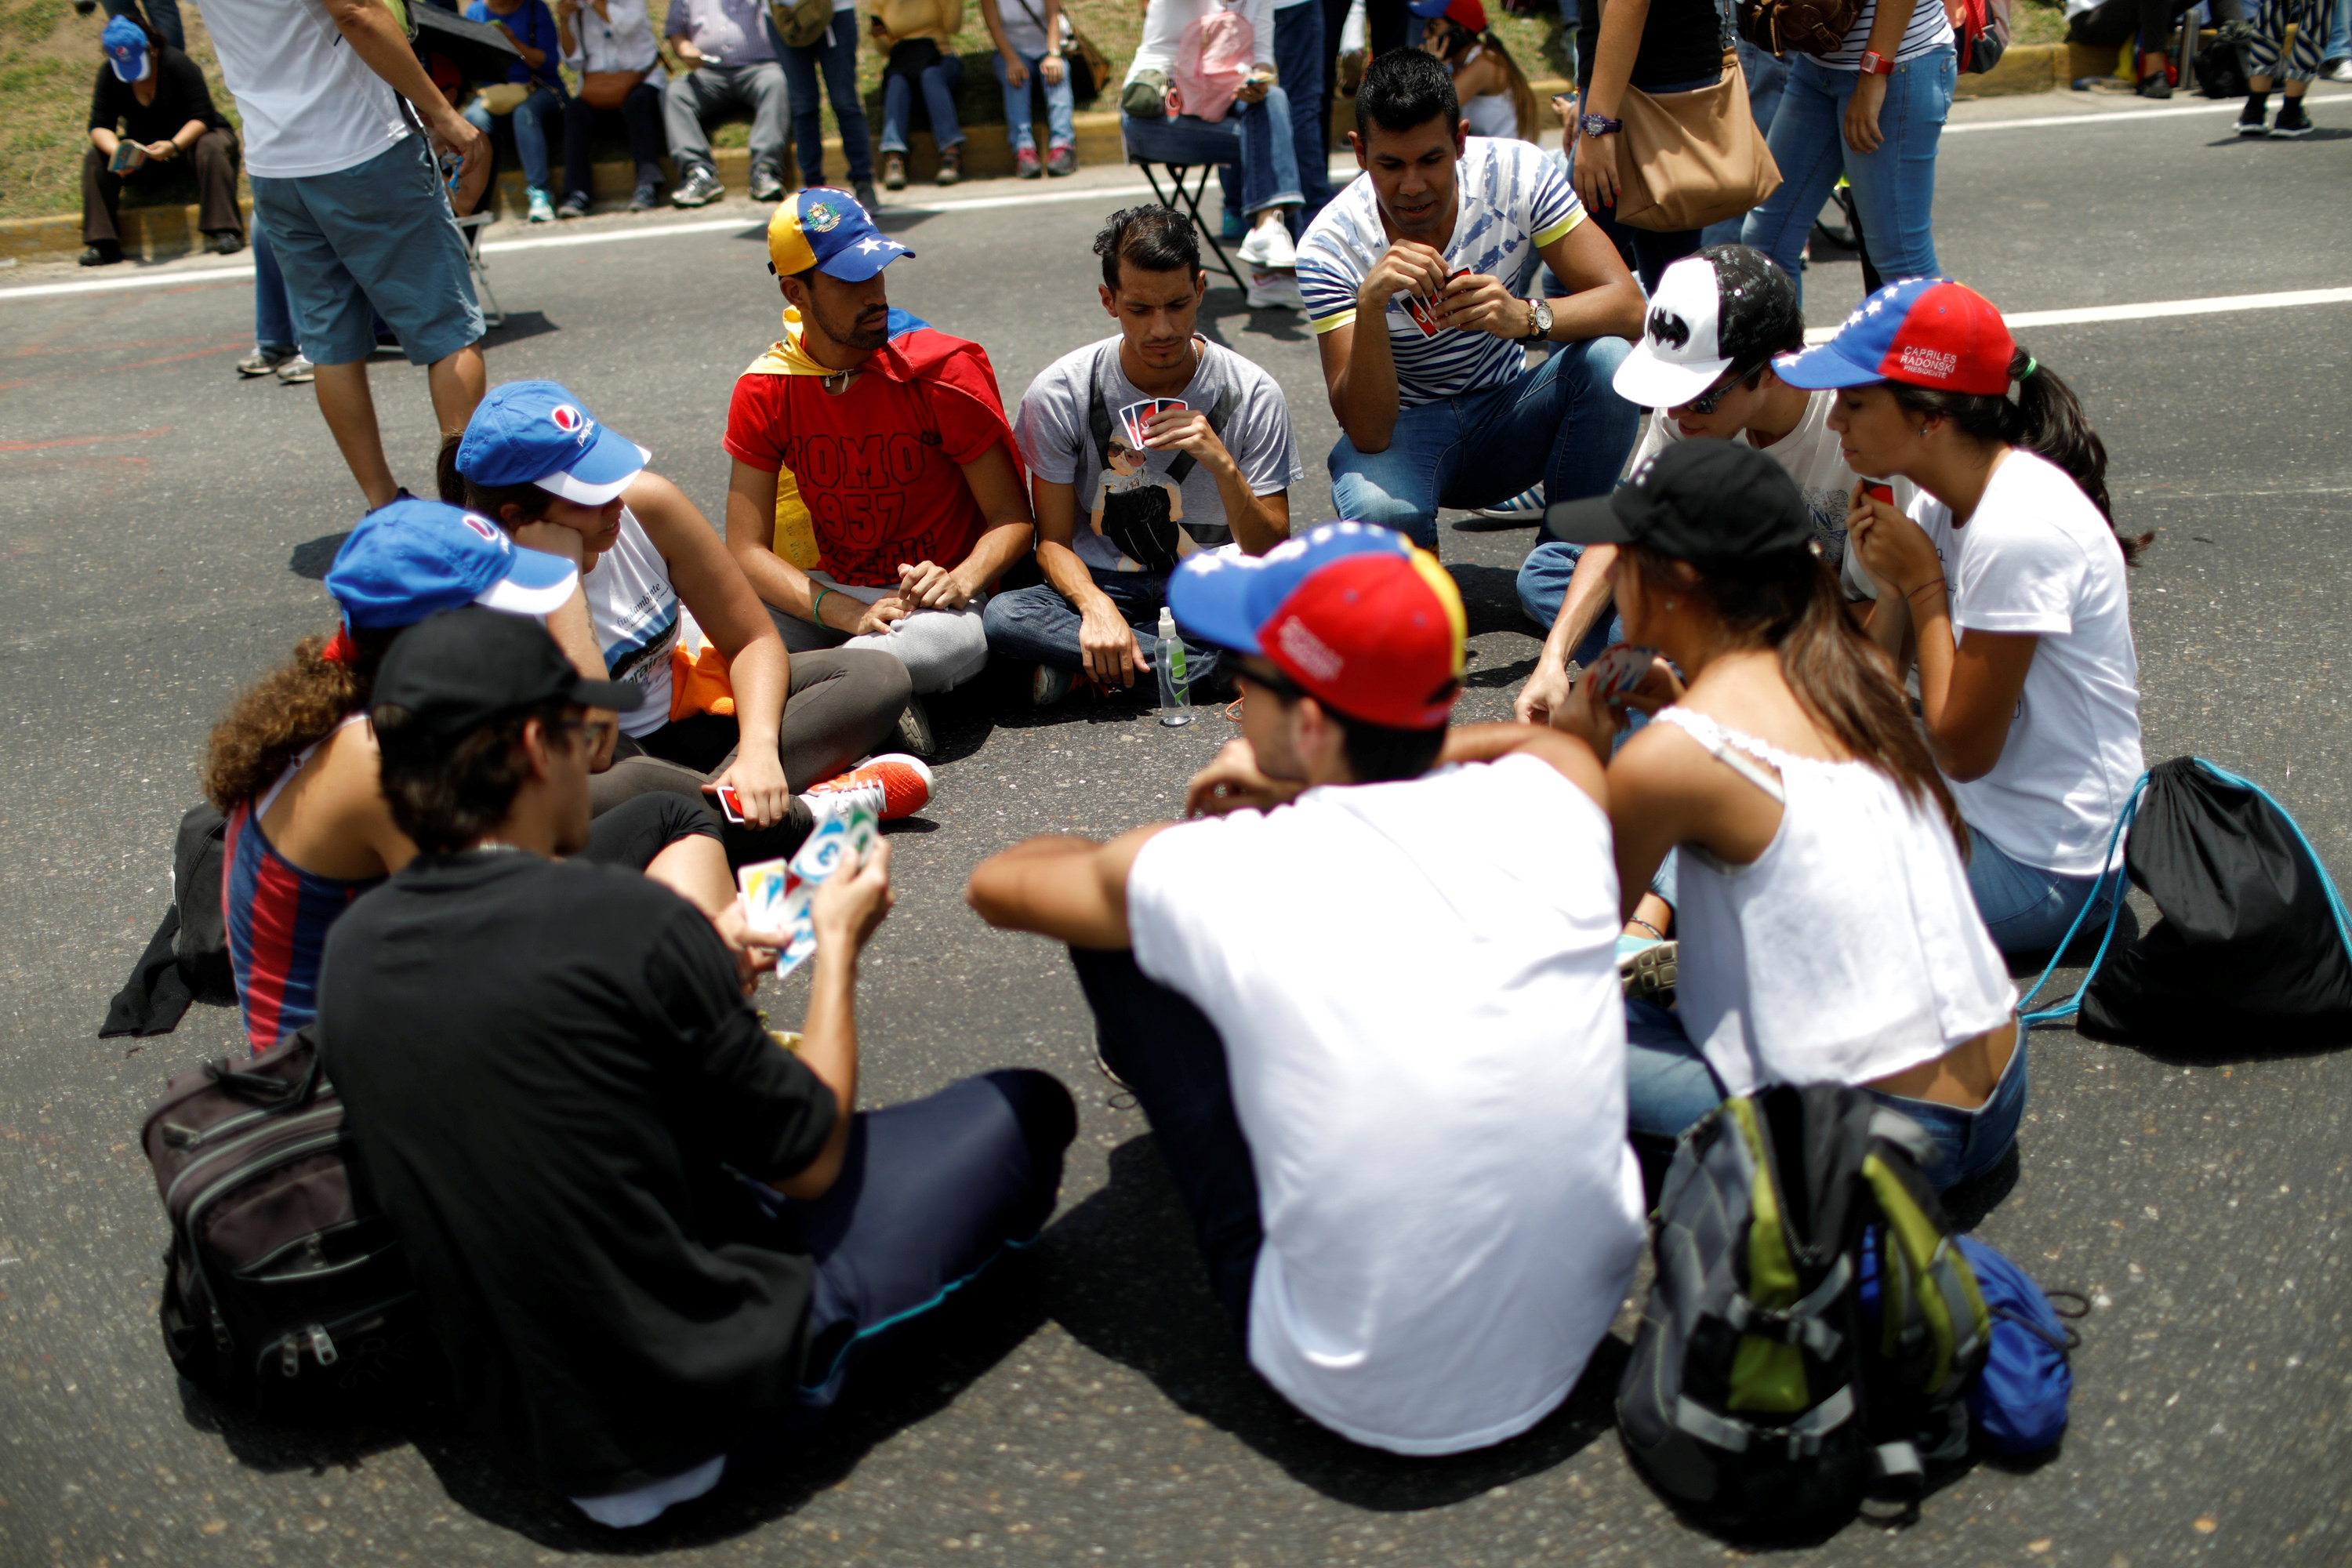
941, 648
712, 89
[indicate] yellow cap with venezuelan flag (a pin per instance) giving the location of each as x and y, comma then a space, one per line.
826, 229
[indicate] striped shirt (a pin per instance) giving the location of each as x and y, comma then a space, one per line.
1512, 202
1928, 30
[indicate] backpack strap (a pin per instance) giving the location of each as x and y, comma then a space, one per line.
1183, 464
1098, 419
2112, 867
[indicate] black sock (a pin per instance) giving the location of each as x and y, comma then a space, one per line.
2257, 105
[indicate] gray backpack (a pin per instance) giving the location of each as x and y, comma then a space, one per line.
1812, 1329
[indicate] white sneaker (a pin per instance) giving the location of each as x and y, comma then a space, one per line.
1273, 291
1268, 248
2338, 71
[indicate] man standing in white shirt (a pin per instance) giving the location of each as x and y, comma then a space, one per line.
354, 204
1381, 1048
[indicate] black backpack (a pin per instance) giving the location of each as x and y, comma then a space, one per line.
285, 1290
2254, 937
1762, 1398
187, 958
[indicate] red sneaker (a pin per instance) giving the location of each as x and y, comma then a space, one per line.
895, 784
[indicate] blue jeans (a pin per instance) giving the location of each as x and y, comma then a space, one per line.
542, 109
940, 82
1893, 188
1036, 625
1669, 1084
1543, 587
2337, 45
2025, 908
1061, 124
838, 57
1560, 425
1255, 135
1768, 77
1299, 58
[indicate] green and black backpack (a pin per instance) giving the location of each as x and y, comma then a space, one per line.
1813, 1331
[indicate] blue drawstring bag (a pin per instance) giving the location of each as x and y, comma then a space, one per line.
2018, 1401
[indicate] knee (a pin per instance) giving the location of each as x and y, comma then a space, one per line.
1357, 497
1047, 1115
878, 674
1543, 577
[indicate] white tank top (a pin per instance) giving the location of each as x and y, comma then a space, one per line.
636, 613
1850, 949
1492, 113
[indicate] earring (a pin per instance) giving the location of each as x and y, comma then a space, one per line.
1671, 603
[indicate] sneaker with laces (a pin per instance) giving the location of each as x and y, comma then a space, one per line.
575, 205
951, 166
1528, 506
896, 785
698, 189
1268, 248
644, 198
541, 209
1063, 160
1273, 291
262, 361
766, 187
295, 370
2253, 118
915, 728
2292, 121
1025, 165
894, 172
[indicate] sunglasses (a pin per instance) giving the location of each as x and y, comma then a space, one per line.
1708, 402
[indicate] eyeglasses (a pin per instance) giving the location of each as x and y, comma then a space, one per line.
597, 730
1708, 402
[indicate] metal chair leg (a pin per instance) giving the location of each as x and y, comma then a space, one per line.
1190, 200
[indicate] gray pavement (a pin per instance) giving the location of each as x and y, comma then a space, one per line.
164, 527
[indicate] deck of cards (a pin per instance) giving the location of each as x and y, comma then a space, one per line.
1428, 310
1618, 668
1134, 419
776, 894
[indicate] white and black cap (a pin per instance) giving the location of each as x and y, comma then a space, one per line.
1726, 308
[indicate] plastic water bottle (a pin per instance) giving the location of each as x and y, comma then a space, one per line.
1175, 686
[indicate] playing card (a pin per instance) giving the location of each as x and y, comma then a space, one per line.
1619, 668
1131, 421
824, 850
763, 886
730, 804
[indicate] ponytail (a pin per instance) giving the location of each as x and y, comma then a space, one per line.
490, 501
1835, 671
2040, 414
292, 708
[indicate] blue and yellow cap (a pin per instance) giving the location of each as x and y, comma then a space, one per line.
826, 229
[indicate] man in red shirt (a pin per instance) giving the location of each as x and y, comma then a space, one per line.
875, 497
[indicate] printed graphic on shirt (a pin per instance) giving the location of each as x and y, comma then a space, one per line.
1137, 510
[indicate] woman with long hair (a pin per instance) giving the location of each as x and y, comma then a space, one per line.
1493, 92
2005, 577
1827, 933
292, 765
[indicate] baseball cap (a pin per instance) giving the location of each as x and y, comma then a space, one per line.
823, 227
126, 47
1924, 331
1726, 307
538, 433
456, 671
1471, 14
414, 558
1722, 506
1350, 610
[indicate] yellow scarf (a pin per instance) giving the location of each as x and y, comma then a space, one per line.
795, 535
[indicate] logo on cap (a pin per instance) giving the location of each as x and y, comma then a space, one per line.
1309, 652
1933, 364
820, 218
568, 420
486, 527
1669, 329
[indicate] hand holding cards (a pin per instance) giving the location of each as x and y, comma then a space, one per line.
1135, 420
1618, 670
1428, 310
777, 896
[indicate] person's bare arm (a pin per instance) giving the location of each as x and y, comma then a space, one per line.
1053, 66
1596, 172
1886, 27
1259, 522
1010, 529
1072, 890
1587, 601
848, 907
1017, 69
1603, 300
1358, 368
376, 39
1106, 644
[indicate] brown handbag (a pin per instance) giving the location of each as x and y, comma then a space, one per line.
1689, 159
607, 90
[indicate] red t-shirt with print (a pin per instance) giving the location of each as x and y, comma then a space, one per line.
880, 464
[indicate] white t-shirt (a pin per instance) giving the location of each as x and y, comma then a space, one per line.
1024, 26
1424, 1031
1511, 202
2037, 557
309, 104
1164, 22
635, 610
1813, 458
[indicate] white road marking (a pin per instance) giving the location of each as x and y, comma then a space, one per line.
2153, 309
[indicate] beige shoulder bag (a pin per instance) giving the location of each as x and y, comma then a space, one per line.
1689, 159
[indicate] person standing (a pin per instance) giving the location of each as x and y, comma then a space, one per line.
1873, 108
154, 97
2262, 50
1028, 41
835, 56
1659, 48
354, 204
527, 25
731, 62
609, 43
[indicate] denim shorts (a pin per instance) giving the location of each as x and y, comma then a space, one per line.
381, 232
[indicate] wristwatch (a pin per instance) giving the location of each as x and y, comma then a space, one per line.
1540, 321
1599, 125
1875, 64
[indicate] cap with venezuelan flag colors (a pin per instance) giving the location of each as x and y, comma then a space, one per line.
1924, 331
826, 229
1352, 612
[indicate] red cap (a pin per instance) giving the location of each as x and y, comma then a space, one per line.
1377, 636
1923, 331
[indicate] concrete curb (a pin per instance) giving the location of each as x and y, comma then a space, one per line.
158, 233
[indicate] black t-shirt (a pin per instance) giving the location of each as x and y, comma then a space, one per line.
545, 1065
180, 96
1682, 42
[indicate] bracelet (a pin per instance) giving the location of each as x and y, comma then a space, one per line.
1931, 583
1648, 927
817, 612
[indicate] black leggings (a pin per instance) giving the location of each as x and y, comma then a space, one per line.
2119, 21
841, 704
634, 832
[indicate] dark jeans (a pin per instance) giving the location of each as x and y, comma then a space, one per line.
164, 14
837, 57
1036, 625
1170, 1055
940, 81
215, 158
839, 706
634, 832
640, 112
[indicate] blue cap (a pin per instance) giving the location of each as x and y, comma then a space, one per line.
126, 48
1224, 596
827, 230
415, 558
537, 433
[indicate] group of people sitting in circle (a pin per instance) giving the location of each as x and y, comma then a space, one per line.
1398, 1063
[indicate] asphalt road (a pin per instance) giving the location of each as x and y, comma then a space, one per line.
164, 527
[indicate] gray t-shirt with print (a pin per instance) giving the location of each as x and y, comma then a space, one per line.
1139, 504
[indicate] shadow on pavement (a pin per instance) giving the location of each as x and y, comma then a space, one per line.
1125, 1281
312, 558
518, 325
